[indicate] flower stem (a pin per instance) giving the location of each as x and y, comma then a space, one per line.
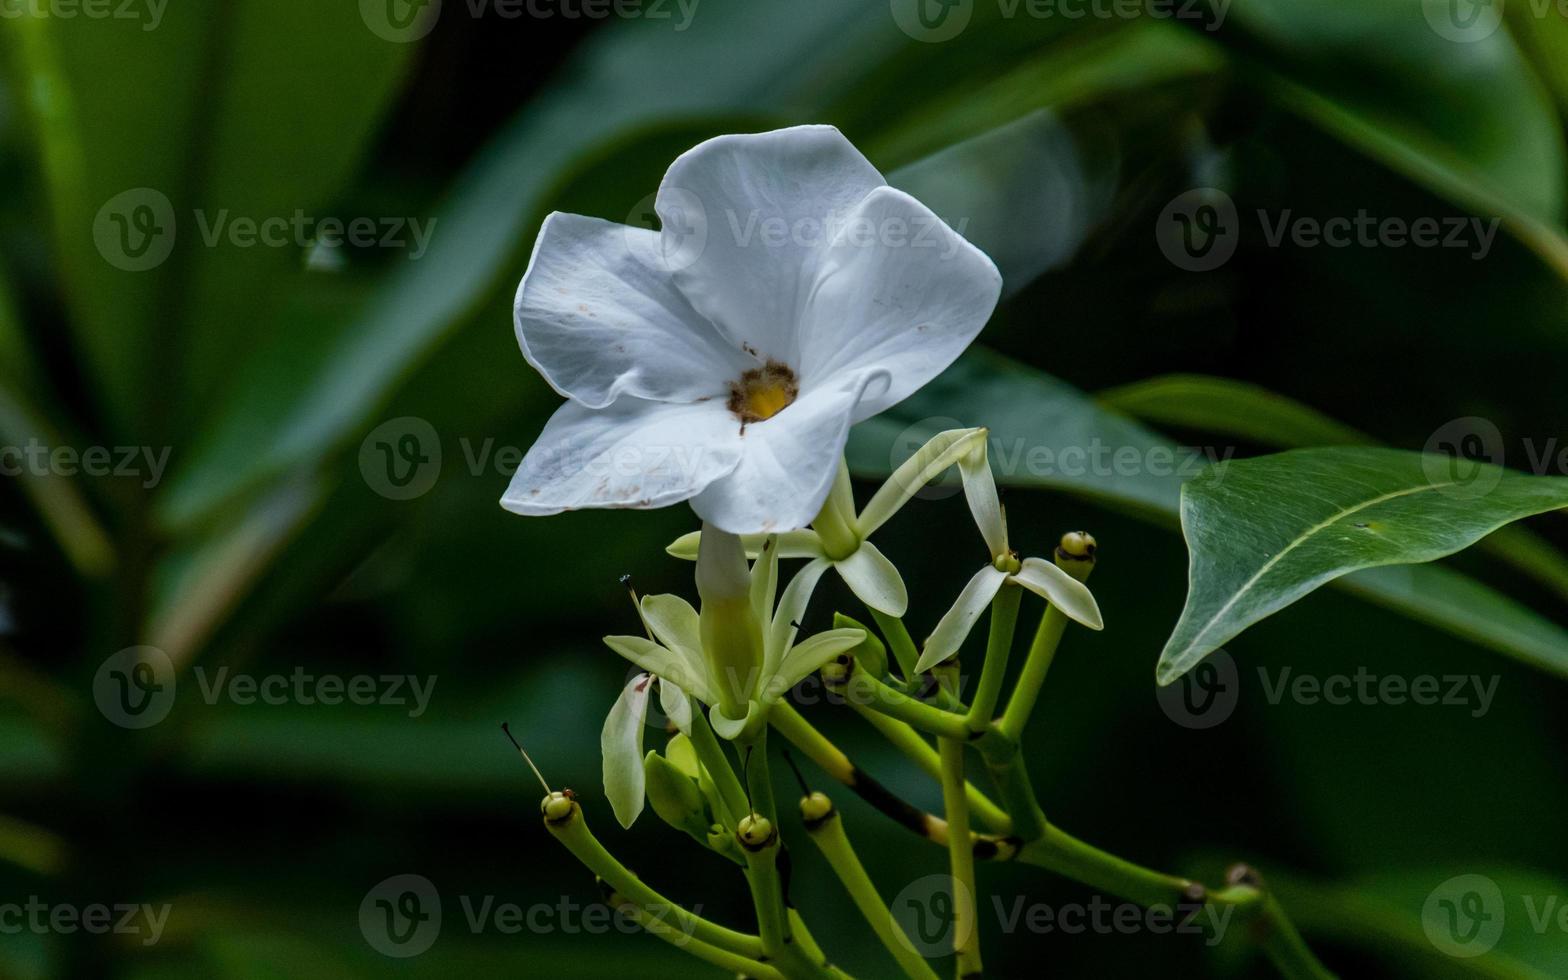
573, 831
1285, 948
713, 759
897, 634
1020, 705
923, 754
827, 832
863, 689
721, 958
1058, 851
999, 645
961, 859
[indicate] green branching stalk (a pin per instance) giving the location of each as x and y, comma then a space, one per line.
961, 859
721, 958
863, 689
904, 650
826, 829
572, 830
712, 757
923, 754
999, 645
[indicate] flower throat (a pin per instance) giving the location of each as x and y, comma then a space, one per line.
763, 392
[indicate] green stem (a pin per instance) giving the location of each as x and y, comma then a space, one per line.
828, 834
961, 858
574, 833
863, 689
1066, 855
713, 759
835, 523
897, 634
999, 645
1285, 948
915, 747
1012, 779
1027, 691
722, 958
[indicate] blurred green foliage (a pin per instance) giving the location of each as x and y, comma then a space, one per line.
1056, 141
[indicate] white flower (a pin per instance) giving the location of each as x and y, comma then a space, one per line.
1037, 575
790, 294
707, 654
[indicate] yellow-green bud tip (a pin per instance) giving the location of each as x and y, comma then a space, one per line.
754, 831
1076, 554
815, 807
1008, 563
558, 807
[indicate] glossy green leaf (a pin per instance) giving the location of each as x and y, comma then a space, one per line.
1265, 532
1251, 412
1046, 434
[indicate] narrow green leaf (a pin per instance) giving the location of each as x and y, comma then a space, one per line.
1264, 532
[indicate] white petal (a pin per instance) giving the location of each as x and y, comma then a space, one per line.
621, 745
749, 217
659, 660
954, 628
728, 728
797, 595
926, 464
984, 504
810, 655
788, 463
874, 580
899, 290
1063, 591
675, 705
792, 544
675, 624
598, 314
633, 454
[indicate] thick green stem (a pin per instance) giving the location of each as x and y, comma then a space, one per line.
961, 859
897, 634
1027, 691
713, 759
999, 645
1283, 944
681, 940
573, 831
1012, 779
863, 689
1066, 855
828, 834
924, 754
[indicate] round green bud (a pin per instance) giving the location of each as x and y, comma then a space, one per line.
1076, 554
755, 831
815, 807
1008, 563
558, 807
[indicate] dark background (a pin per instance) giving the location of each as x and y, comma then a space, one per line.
266, 549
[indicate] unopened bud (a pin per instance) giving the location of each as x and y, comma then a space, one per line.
755, 831
731, 632
815, 807
675, 796
1075, 554
558, 807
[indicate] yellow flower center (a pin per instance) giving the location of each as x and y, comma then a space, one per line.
764, 392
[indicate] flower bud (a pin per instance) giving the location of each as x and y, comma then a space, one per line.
755, 831
1075, 554
675, 796
731, 632
871, 654
558, 807
815, 808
